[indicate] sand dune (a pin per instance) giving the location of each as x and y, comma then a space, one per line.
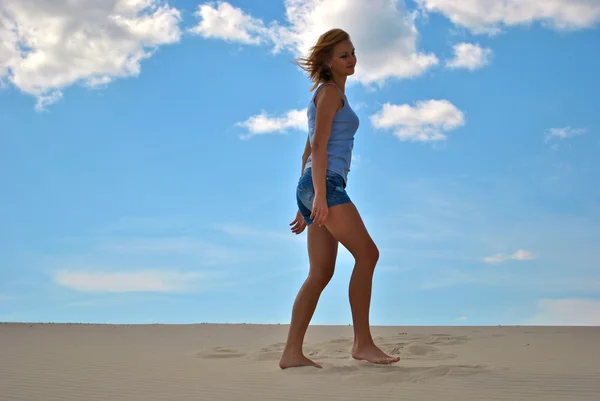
68, 362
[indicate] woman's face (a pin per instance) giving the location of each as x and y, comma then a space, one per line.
344, 58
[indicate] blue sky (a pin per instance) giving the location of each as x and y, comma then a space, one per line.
149, 154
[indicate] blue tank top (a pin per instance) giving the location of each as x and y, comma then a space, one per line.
341, 140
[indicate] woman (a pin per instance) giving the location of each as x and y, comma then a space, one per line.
322, 199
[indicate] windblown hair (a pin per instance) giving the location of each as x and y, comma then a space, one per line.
315, 64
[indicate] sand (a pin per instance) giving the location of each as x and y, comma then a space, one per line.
67, 362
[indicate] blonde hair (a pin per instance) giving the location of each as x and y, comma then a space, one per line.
315, 64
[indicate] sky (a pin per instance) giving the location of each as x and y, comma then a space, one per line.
149, 153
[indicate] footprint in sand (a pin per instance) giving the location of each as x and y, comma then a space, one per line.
269, 353
408, 347
425, 351
219, 353
414, 350
446, 339
411, 374
421, 349
337, 348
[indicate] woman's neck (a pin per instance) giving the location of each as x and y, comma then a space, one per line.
340, 82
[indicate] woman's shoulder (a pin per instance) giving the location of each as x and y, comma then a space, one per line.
327, 93
328, 87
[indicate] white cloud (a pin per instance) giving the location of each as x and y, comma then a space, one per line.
489, 16
463, 318
262, 123
564, 133
520, 255
469, 56
359, 105
498, 258
223, 21
567, 312
426, 121
49, 99
135, 281
48, 45
382, 31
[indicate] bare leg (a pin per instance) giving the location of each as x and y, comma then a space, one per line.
322, 252
346, 225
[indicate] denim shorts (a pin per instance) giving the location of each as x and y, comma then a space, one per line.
305, 192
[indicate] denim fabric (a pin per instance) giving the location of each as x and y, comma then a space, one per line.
305, 192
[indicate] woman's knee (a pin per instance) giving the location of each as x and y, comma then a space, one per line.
374, 254
369, 255
321, 277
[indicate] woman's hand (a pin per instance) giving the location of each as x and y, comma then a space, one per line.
298, 225
319, 210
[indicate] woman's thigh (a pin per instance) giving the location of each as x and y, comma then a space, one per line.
322, 251
346, 225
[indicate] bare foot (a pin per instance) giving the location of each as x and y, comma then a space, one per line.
295, 361
371, 353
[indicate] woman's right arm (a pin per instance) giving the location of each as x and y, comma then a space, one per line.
305, 154
328, 100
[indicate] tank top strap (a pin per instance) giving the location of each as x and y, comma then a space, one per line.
326, 84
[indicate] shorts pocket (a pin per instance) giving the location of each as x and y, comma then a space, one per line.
305, 196
305, 184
